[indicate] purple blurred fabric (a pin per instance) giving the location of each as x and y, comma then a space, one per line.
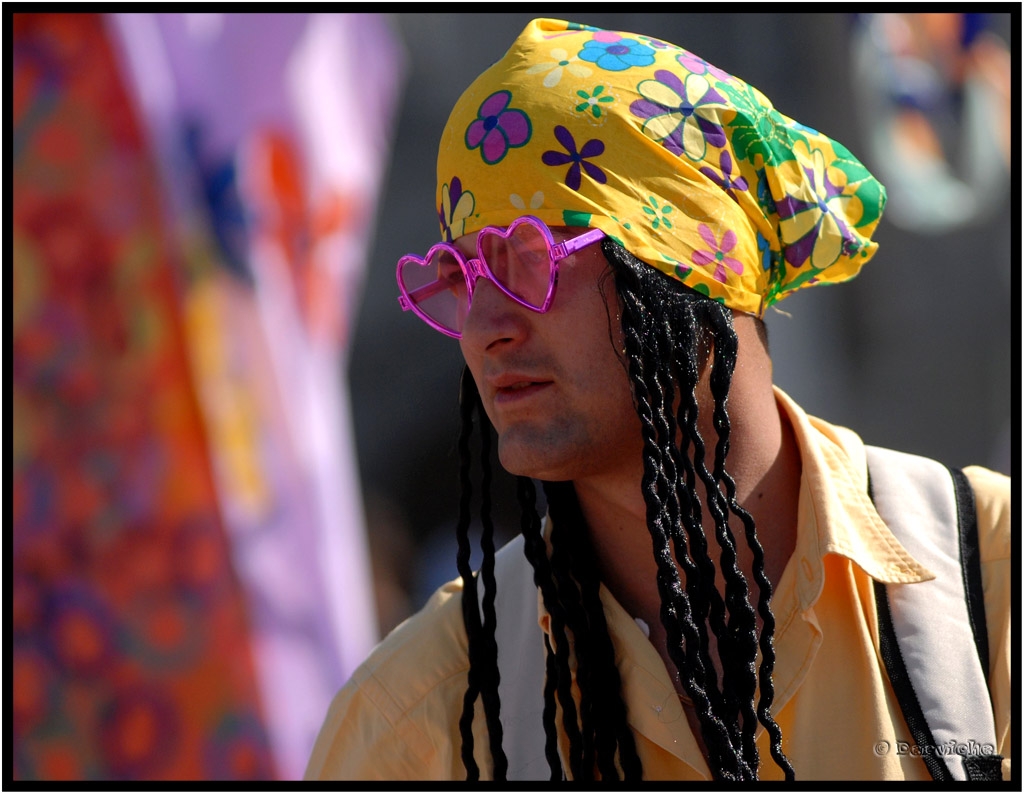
272, 133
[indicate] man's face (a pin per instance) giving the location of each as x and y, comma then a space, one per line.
552, 384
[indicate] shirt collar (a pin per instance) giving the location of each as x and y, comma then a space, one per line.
836, 515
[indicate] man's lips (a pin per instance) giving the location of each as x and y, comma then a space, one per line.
513, 387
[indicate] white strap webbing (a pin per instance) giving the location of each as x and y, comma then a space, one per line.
520, 664
915, 498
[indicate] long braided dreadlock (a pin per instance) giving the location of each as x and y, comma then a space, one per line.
670, 334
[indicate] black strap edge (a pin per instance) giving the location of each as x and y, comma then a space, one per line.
899, 679
988, 768
970, 564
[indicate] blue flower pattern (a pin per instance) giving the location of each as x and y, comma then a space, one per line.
613, 53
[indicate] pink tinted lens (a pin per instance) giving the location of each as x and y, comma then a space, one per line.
521, 262
437, 287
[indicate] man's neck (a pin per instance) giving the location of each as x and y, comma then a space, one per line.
763, 461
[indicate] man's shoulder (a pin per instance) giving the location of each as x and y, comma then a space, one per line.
389, 721
421, 653
429, 649
992, 499
397, 717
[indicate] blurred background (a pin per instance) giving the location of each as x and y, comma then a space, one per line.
234, 463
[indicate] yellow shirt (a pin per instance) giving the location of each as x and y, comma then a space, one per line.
397, 718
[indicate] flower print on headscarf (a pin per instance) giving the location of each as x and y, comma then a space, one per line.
613, 53
764, 249
725, 179
764, 194
718, 255
591, 148
811, 217
536, 201
592, 102
697, 65
680, 115
868, 191
658, 212
760, 131
680, 270
676, 132
456, 206
560, 61
658, 44
498, 128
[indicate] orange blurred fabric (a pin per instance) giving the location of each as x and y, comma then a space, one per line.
130, 647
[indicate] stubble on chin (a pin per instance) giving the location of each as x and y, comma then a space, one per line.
553, 450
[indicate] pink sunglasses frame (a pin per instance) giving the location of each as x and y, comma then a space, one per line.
473, 269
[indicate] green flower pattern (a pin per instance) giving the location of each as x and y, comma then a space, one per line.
594, 102
759, 132
658, 214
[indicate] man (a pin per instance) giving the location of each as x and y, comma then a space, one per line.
612, 337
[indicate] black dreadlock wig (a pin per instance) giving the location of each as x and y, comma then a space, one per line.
670, 333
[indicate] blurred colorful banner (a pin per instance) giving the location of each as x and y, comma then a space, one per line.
193, 196
934, 97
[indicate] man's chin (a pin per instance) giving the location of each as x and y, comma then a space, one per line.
538, 461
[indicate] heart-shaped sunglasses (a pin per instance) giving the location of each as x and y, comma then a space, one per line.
521, 260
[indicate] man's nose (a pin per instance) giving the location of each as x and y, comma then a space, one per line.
493, 317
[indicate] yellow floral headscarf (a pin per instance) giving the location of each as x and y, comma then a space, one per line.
689, 168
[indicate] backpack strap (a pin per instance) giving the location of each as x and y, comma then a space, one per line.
520, 664
938, 670
970, 560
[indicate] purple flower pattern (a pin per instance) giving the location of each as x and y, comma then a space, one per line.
697, 65
498, 128
456, 206
811, 218
657, 44
591, 148
725, 179
680, 115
